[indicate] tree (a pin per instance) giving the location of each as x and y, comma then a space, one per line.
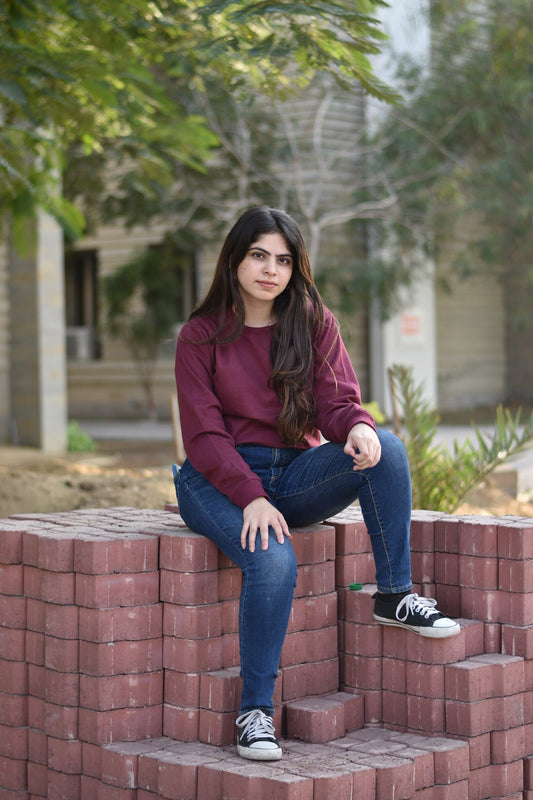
458, 152
114, 77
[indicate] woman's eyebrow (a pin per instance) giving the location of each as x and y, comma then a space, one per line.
266, 252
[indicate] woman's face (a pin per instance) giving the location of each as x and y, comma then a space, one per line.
265, 272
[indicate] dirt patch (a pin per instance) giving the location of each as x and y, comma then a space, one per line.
139, 474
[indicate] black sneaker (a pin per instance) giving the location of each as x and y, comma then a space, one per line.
257, 738
417, 614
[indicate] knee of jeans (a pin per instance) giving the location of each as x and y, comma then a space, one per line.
278, 562
392, 446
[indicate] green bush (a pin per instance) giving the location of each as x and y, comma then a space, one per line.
78, 441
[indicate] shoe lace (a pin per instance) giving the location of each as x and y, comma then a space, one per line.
413, 604
256, 723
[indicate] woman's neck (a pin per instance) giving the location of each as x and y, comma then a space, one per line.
258, 317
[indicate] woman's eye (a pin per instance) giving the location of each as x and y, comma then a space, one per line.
257, 254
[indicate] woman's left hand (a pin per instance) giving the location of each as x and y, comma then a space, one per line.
363, 445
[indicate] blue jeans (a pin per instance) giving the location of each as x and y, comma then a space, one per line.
307, 486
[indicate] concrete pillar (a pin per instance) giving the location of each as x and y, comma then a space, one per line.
37, 350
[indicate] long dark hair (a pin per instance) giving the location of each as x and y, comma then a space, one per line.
298, 311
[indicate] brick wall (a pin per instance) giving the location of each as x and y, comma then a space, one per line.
119, 674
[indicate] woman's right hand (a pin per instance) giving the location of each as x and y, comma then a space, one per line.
259, 515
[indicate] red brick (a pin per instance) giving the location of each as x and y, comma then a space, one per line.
492, 636
394, 708
451, 760
351, 537
12, 579
13, 677
395, 777
528, 772
118, 624
394, 675
181, 723
123, 724
55, 551
478, 573
448, 600
13, 709
189, 588
182, 689
57, 587
360, 605
217, 727
426, 714
315, 579
230, 650
37, 746
61, 688
479, 747
373, 706
422, 534
10, 542
508, 745
508, 672
61, 621
192, 655
520, 608
469, 680
447, 534
184, 551
396, 642
120, 763
107, 792
229, 583
129, 589
221, 690
294, 681
431, 651
90, 787
230, 616
35, 648
121, 691
447, 568
425, 680
61, 721
478, 536
515, 539
36, 713
423, 567
61, 654
322, 676
12, 612
364, 640
62, 786
13, 742
258, 781
192, 622
469, 718
36, 681
496, 780
456, 791
121, 553
35, 615
315, 719
516, 576
517, 640
37, 780
314, 544
490, 606
334, 783
91, 756
354, 568
120, 658
13, 773
474, 636
65, 755
13, 644
363, 673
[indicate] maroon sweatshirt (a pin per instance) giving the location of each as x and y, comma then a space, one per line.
225, 400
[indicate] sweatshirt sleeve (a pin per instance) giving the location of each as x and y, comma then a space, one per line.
336, 387
209, 446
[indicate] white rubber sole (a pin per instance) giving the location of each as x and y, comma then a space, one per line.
428, 633
259, 754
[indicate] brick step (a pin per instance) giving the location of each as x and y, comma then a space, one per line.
372, 763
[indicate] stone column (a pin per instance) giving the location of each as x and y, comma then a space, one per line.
37, 324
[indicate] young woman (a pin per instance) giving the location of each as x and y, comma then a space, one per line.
262, 375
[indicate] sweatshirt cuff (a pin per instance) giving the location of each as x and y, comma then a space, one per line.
248, 492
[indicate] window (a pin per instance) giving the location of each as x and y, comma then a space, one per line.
81, 303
